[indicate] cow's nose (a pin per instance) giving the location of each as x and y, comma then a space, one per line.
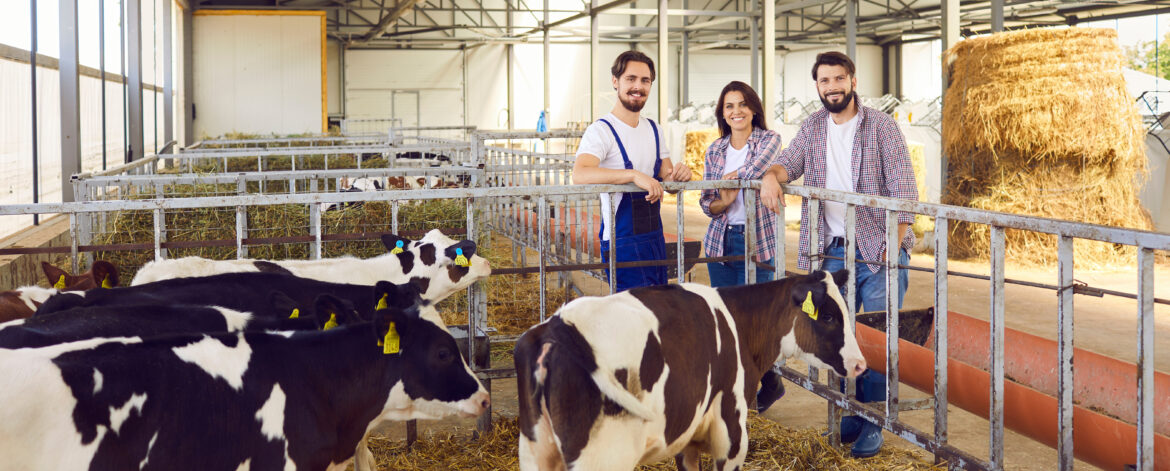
487, 402
858, 369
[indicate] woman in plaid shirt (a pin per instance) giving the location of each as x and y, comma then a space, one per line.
746, 150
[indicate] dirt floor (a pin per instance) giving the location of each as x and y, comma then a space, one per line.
1106, 325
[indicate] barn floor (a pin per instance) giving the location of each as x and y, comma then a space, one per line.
1104, 325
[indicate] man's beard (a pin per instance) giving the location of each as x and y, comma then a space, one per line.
840, 106
634, 107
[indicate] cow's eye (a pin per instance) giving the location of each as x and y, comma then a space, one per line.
444, 355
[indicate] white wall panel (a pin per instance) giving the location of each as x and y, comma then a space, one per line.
373, 78
257, 74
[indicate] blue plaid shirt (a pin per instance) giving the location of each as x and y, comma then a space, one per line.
765, 152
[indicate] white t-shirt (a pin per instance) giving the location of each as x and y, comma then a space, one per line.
736, 158
639, 143
839, 170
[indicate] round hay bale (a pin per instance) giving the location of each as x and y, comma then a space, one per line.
1039, 122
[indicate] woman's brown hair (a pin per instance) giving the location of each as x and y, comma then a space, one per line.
749, 98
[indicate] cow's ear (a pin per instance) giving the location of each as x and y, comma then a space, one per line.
391, 326
840, 277
57, 277
105, 274
463, 247
391, 241
377, 185
331, 311
808, 296
284, 306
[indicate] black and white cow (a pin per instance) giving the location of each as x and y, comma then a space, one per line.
612, 382
245, 400
430, 262
247, 292
150, 320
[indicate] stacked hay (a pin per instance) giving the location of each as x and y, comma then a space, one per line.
1039, 122
771, 447
697, 142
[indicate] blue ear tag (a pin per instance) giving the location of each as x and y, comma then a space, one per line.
397, 247
460, 259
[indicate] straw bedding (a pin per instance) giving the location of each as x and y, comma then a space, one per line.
772, 447
1039, 122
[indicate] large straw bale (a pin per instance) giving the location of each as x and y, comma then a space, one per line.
1039, 122
697, 142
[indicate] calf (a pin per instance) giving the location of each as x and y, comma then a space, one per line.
238, 291
152, 320
251, 400
432, 263
22, 302
612, 382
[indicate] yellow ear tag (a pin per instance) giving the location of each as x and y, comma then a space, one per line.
397, 247
331, 323
106, 282
60, 283
390, 344
809, 308
382, 303
460, 259
295, 314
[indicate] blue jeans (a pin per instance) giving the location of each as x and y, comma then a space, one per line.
732, 273
871, 287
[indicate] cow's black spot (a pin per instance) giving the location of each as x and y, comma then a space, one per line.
652, 362
422, 283
623, 376
406, 258
426, 254
456, 272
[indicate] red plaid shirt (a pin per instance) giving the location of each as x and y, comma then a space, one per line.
765, 152
881, 166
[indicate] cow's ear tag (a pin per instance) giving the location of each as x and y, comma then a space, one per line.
106, 282
397, 247
382, 303
809, 308
331, 323
60, 283
460, 259
295, 314
390, 343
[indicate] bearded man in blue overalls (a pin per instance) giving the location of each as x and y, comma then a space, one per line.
623, 147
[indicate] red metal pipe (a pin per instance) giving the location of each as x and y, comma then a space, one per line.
1097, 439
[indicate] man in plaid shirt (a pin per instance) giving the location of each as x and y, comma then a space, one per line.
850, 147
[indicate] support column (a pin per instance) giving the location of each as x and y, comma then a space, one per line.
189, 80
133, 27
547, 86
168, 76
508, 52
70, 98
684, 96
754, 22
663, 78
594, 50
950, 37
769, 75
996, 16
851, 29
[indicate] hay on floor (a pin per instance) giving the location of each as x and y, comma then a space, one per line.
1039, 122
772, 447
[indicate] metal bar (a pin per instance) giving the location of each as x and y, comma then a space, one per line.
542, 225
815, 246
663, 77
995, 414
73, 242
679, 199
168, 80
315, 221
610, 228
940, 332
851, 28
1065, 389
769, 73
36, 184
1145, 399
158, 228
996, 16
394, 216
102, 72
70, 93
749, 236
241, 232
893, 241
851, 262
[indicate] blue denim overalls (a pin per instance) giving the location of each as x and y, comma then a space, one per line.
638, 228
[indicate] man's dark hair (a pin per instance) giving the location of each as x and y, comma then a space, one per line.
833, 58
619, 64
749, 98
